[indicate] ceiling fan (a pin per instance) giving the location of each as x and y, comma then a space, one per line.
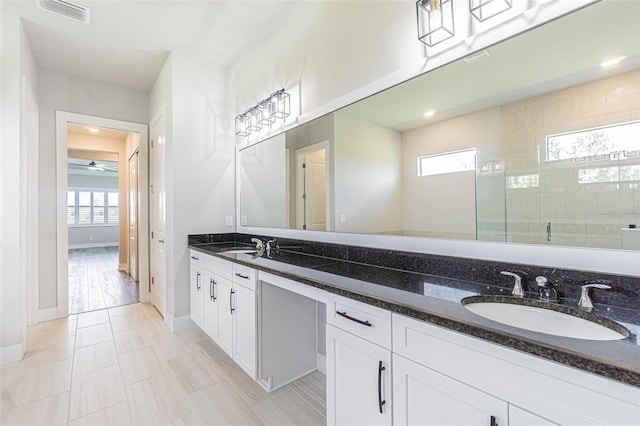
92, 166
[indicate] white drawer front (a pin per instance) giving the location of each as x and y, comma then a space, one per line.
366, 321
195, 257
244, 276
218, 266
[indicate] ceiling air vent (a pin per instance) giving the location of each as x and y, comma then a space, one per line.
64, 8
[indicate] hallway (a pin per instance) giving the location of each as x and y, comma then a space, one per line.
95, 282
122, 366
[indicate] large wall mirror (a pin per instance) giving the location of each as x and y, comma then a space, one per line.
533, 140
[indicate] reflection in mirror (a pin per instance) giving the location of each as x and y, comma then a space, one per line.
555, 137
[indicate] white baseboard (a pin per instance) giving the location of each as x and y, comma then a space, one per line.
11, 353
321, 363
49, 314
178, 324
92, 245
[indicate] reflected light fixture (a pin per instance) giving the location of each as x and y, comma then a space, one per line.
435, 21
430, 113
93, 130
485, 9
265, 113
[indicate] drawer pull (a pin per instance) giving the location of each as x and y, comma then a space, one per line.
381, 402
238, 274
195, 258
344, 314
494, 422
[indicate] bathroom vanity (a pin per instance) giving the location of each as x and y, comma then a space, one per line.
406, 351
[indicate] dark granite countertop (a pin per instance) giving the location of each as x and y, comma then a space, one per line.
436, 299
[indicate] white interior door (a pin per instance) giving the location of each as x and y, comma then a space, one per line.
158, 217
312, 193
133, 215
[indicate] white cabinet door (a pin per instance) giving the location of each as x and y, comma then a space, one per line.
195, 282
422, 396
225, 316
244, 329
212, 305
520, 417
358, 380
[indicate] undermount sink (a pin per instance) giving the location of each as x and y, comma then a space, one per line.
545, 318
242, 251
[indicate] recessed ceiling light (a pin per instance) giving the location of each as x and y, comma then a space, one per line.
429, 113
612, 61
93, 130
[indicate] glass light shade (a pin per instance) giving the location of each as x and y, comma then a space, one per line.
281, 104
241, 125
267, 108
435, 21
485, 9
253, 117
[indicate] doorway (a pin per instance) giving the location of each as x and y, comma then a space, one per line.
311, 188
97, 218
102, 208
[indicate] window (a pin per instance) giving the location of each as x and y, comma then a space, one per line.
449, 162
523, 181
92, 207
609, 174
597, 142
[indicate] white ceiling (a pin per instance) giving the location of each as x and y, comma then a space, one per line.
127, 42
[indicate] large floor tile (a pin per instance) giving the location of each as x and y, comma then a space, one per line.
168, 346
88, 319
117, 415
95, 391
35, 383
47, 411
131, 340
95, 357
190, 373
93, 335
288, 408
139, 365
220, 404
157, 400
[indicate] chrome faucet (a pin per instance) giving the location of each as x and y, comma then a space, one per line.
517, 288
585, 300
259, 246
271, 245
546, 290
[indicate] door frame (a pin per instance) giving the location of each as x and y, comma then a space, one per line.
326, 146
62, 239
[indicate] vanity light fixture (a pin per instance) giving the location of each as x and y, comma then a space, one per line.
612, 61
485, 9
241, 125
435, 21
265, 113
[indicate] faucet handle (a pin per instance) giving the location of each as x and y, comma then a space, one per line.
585, 300
517, 288
259, 243
541, 281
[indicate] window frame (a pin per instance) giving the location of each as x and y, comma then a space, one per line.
105, 208
422, 173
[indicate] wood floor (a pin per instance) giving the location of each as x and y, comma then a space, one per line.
122, 366
95, 282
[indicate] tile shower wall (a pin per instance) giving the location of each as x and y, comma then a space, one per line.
586, 215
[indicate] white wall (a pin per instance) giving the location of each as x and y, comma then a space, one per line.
58, 91
16, 61
200, 159
368, 170
424, 209
263, 190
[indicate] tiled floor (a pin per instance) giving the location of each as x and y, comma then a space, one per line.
95, 282
122, 366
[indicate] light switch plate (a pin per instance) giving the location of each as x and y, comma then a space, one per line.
228, 221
